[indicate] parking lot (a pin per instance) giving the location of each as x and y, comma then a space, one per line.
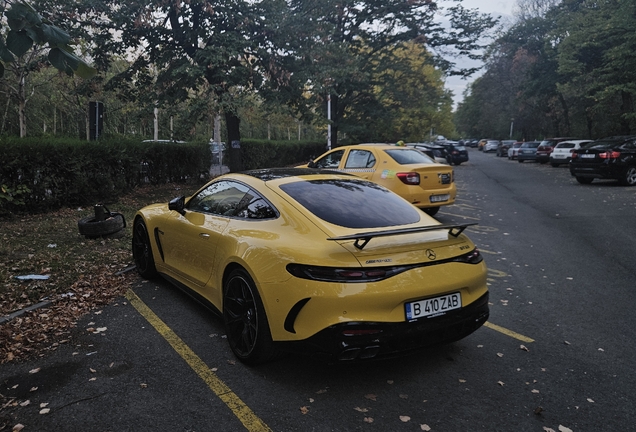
557, 353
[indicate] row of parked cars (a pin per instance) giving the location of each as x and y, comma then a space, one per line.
607, 158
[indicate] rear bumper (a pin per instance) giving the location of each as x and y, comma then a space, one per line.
602, 171
525, 157
374, 340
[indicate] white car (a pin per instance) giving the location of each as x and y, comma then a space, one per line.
491, 145
562, 153
513, 151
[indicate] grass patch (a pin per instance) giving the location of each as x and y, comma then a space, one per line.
83, 273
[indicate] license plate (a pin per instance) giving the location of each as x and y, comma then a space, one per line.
587, 156
558, 156
440, 198
433, 306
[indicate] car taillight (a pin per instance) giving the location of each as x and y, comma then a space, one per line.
372, 274
347, 275
610, 155
409, 178
472, 257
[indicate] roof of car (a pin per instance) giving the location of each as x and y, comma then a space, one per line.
267, 174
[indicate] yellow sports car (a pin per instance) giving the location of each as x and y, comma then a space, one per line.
314, 260
406, 171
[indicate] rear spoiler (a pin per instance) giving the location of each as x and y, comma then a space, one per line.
361, 239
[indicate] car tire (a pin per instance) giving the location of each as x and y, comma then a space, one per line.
142, 250
584, 180
520, 160
245, 321
629, 179
431, 211
92, 228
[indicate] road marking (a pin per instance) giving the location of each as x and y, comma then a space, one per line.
460, 216
488, 252
251, 422
508, 332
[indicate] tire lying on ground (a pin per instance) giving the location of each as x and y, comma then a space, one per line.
92, 228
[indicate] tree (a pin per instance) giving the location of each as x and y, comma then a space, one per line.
333, 46
406, 101
28, 29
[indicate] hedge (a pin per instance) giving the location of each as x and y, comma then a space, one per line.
42, 174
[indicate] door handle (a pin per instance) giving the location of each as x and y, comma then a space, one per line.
204, 235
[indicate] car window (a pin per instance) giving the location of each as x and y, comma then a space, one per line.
331, 160
629, 145
360, 159
352, 203
565, 145
409, 156
229, 198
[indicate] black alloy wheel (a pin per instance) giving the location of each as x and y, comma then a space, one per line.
245, 321
142, 250
629, 179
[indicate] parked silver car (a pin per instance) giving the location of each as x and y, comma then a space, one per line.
491, 145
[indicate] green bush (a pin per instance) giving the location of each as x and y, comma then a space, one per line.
64, 172
256, 154
46, 173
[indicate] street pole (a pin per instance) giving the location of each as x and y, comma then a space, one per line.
329, 122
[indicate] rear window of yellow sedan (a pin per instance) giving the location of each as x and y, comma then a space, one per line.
352, 203
409, 157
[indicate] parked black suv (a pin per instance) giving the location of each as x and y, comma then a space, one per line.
606, 158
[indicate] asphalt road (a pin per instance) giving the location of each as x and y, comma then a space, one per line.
557, 354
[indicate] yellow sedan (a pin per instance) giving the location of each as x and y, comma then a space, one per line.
406, 171
315, 261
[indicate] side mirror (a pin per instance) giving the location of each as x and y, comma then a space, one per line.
311, 164
177, 204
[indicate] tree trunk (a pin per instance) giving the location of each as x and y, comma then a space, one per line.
627, 107
566, 114
233, 123
22, 108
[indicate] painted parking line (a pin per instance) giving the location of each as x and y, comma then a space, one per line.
251, 422
507, 332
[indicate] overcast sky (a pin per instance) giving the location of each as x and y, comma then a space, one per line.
501, 8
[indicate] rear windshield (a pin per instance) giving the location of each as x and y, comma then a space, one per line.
409, 156
352, 203
565, 145
531, 145
610, 144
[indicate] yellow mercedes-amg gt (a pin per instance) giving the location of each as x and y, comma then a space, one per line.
405, 170
313, 260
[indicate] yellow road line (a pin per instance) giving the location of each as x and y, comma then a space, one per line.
251, 422
508, 332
